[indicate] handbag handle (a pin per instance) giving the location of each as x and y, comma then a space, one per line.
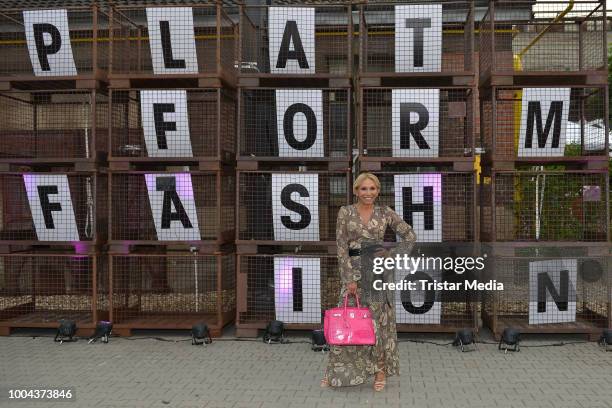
346, 301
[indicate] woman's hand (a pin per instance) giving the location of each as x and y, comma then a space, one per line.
382, 253
351, 288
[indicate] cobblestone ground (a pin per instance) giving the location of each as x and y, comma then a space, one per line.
152, 373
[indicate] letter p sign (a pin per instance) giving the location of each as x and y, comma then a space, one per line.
48, 41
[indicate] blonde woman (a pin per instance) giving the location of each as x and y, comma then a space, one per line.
357, 223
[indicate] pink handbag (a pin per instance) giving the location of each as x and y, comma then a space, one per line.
349, 326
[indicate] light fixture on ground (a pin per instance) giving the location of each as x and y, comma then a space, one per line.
103, 331
606, 340
510, 337
274, 332
464, 337
318, 341
66, 331
200, 331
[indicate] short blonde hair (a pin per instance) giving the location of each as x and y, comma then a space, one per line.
363, 177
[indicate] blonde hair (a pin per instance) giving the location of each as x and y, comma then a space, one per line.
363, 177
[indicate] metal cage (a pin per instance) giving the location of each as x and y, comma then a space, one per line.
297, 297
172, 291
382, 136
457, 195
211, 117
216, 38
333, 27
202, 201
256, 218
39, 289
32, 215
53, 126
544, 38
547, 205
558, 289
261, 134
384, 50
505, 125
88, 28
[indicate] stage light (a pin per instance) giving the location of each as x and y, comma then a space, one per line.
463, 338
318, 341
65, 331
510, 337
606, 339
274, 332
103, 331
200, 331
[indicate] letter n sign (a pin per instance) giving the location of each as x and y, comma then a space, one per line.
48, 39
418, 199
172, 40
552, 291
173, 206
544, 114
415, 115
51, 206
292, 40
295, 207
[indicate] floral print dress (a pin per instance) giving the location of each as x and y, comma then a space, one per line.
352, 365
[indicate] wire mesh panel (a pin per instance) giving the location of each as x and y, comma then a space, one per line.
303, 124
53, 208
545, 206
295, 289
544, 123
296, 39
421, 36
57, 125
37, 290
547, 36
173, 124
71, 41
558, 290
417, 123
173, 290
290, 206
161, 207
451, 210
174, 40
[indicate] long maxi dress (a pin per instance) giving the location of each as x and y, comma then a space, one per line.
352, 365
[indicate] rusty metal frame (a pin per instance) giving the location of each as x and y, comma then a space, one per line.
509, 77
220, 76
174, 320
459, 163
204, 246
223, 97
320, 80
507, 252
333, 163
465, 77
85, 327
88, 80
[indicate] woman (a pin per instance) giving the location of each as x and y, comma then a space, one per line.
357, 224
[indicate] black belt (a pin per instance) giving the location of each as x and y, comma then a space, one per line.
354, 252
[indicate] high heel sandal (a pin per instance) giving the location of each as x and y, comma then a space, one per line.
379, 385
325, 382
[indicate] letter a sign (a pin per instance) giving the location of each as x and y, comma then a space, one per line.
292, 42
